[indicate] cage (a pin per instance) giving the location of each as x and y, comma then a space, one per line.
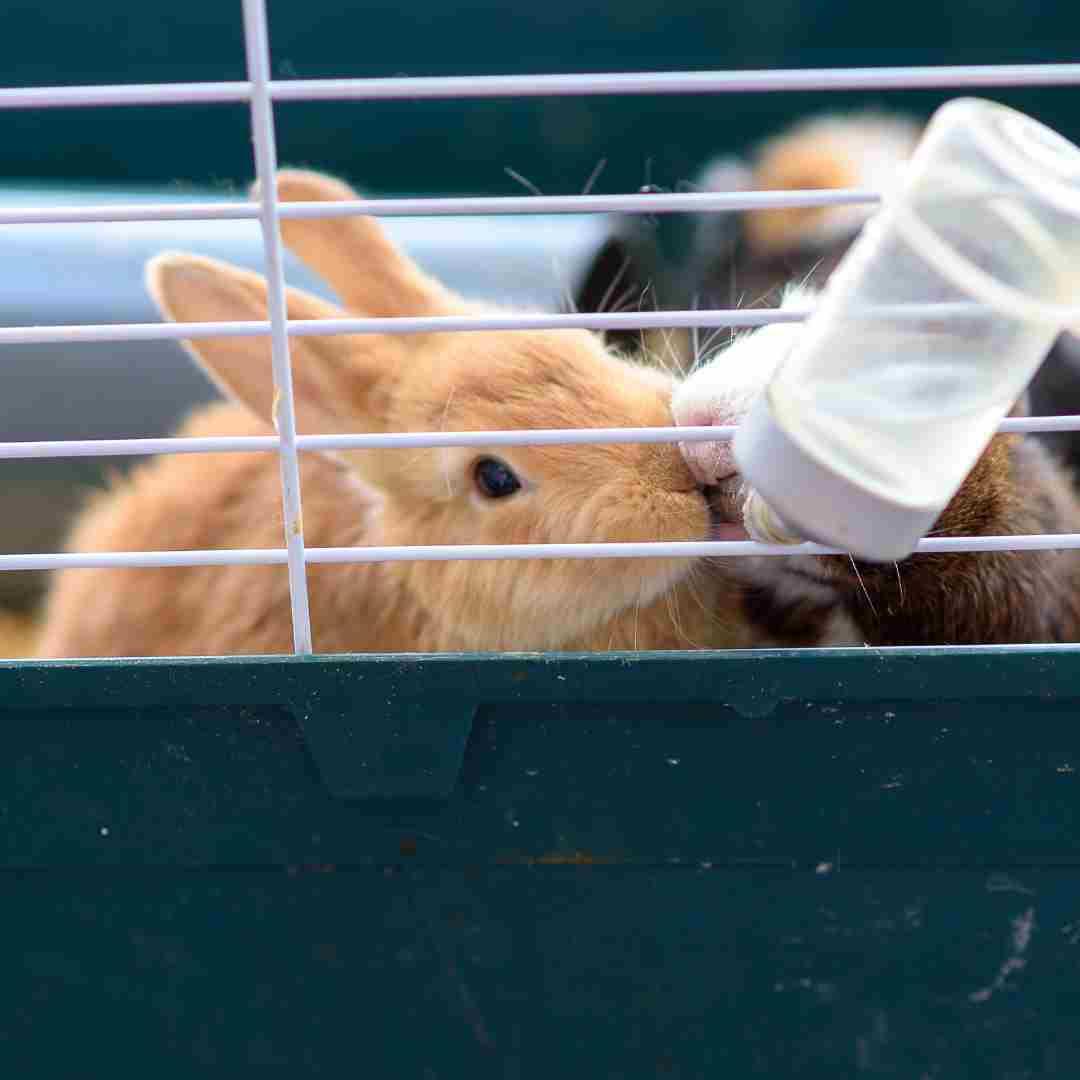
627, 864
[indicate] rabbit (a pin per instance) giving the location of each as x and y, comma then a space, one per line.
970, 598
379, 382
731, 260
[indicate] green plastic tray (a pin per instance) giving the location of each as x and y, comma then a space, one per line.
683, 865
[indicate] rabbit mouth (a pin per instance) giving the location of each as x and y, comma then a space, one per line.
725, 500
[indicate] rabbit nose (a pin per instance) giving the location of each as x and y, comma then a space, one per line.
710, 462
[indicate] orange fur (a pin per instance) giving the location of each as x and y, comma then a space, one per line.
794, 164
828, 152
358, 383
18, 634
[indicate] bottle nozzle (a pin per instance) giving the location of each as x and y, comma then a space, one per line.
764, 524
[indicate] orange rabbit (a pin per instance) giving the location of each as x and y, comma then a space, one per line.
365, 383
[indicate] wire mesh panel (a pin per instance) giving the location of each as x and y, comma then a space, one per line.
260, 92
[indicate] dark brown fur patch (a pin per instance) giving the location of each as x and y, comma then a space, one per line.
969, 598
791, 624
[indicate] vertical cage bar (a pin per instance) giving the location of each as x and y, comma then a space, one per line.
257, 48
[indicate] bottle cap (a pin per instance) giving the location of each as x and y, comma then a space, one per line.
817, 502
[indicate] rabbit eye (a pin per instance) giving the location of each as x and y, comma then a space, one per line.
494, 478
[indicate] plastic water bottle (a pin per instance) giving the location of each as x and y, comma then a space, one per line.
925, 336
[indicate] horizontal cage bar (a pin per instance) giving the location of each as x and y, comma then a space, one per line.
464, 206
440, 324
659, 203
227, 444
464, 87
90, 332
514, 552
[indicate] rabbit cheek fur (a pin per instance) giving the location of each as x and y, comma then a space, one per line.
361, 383
569, 494
958, 598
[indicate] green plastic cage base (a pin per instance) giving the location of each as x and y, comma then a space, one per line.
398, 726
812, 863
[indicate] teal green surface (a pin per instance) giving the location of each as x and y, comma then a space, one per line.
814, 863
446, 146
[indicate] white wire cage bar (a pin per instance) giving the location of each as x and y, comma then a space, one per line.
675, 549
653, 203
260, 93
418, 440
257, 49
520, 86
435, 324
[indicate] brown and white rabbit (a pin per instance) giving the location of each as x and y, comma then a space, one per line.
927, 599
739, 259
372, 383
717, 260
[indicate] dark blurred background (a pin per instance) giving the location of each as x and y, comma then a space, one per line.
463, 147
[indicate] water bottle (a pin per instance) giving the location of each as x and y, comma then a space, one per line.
924, 337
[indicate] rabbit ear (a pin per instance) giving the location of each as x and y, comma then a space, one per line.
334, 377
619, 275
355, 256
